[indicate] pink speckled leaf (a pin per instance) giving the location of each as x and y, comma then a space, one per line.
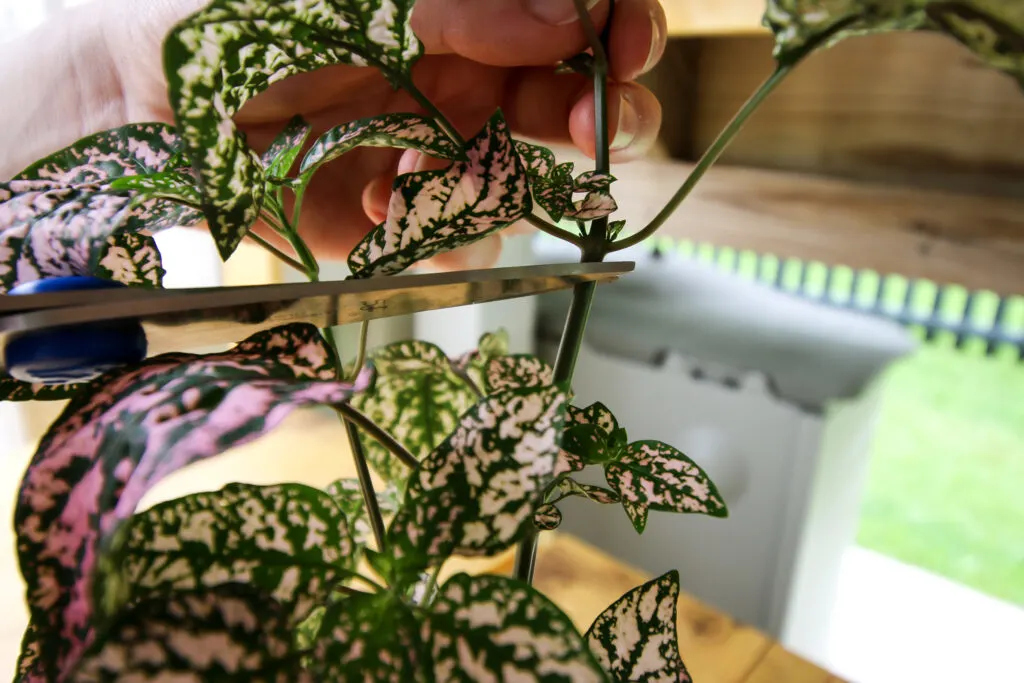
651, 475
406, 131
437, 211
592, 436
127, 431
593, 181
472, 364
517, 371
132, 259
231, 50
539, 161
477, 492
554, 191
228, 634
15, 390
547, 517
597, 204
494, 628
635, 639
286, 148
290, 541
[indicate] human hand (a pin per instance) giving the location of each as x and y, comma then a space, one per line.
480, 55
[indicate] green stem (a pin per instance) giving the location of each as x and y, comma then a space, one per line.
710, 156
309, 263
432, 109
593, 250
276, 252
366, 485
297, 209
364, 330
377, 434
553, 230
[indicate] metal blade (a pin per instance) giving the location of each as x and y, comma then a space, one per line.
180, 320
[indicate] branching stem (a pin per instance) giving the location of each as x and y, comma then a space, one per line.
377, 434
281, 256
366, 485
553, 230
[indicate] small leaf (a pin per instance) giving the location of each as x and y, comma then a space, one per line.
438, 211
230, 634
494, 628
538, 161
477, 492
417, 398
518, 371
654, 476
132, 259
547, 518
598, 494
474, 363
285, 149
593, 181
992, 29
554, 192
615, 229
173, 185
370, 638
593, 434
15, 390
408, 131
348, 495
635, 639
124, 433
287, 540
230, 51
595, 205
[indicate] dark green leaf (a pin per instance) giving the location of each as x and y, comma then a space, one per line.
513, 372
124, 433
493, 628
132, 259
547, 518
635, 639
409, 131
227, 634
652, 475
15, 390
230, 51
593, 434
282, 153
992, 29
615, 229
290, 541
370, 638
477, 492
349, 497
437, 211
417, 398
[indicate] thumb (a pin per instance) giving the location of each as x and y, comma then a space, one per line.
505, 32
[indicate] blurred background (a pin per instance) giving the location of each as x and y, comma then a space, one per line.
833, 325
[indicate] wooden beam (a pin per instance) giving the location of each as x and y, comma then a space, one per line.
714, 17
974, 241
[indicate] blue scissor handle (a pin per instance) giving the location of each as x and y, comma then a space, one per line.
73, 354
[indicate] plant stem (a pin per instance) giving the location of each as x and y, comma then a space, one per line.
593, 250
377, 434
361, 356
432, 109
553, 230
708, 159
297, 209
366, 484
276, 252
309, 263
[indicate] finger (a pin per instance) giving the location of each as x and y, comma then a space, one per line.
505, 32
634, 118
480, 254
637, 39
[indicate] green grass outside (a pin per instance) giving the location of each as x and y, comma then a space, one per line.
945, 490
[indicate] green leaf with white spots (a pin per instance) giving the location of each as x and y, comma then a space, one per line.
494, 628
437, 211
17, 391
230, 51
367, 638
285, 149
229, 634
593, 435
348, 495
290, 541
474, 363
132, 259
547, 518
992, 29
650, 475
477, 492
520, 370
635, 639
175, 186
404, 131
417, 398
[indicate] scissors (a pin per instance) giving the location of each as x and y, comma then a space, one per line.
69, 330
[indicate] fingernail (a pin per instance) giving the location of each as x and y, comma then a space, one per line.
656, 45
556, 12
629, 125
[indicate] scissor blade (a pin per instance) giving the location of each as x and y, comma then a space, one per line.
181, 320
